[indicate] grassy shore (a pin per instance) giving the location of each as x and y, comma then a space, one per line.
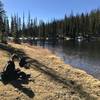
51, 79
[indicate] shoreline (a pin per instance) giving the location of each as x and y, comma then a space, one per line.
57, 80
89, 73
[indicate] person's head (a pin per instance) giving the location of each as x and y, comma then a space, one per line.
14, 57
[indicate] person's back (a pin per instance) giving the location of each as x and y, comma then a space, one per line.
10, 68
9, 71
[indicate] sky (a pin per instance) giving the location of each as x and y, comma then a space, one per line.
48, 9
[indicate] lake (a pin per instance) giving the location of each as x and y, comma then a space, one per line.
83, 55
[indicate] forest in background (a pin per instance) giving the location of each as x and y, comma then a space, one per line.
86, 25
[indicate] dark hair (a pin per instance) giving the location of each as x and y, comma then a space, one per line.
14, 56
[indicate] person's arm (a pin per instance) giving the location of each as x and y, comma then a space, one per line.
5, 67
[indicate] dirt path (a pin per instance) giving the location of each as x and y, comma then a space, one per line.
51, 79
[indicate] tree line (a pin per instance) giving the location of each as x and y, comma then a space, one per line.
84, 24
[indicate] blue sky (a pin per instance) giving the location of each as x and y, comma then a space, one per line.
49, 9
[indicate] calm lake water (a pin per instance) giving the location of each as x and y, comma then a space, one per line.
83, 55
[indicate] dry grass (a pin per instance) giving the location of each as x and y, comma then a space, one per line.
51, 79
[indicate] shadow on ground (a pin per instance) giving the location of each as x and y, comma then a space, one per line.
11, 50
57, 77
50, 72
18, 83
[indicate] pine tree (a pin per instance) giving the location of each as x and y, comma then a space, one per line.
2, 24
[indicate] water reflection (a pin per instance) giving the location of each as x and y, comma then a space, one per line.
84, 55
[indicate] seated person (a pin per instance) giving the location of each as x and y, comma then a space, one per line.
9, 71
